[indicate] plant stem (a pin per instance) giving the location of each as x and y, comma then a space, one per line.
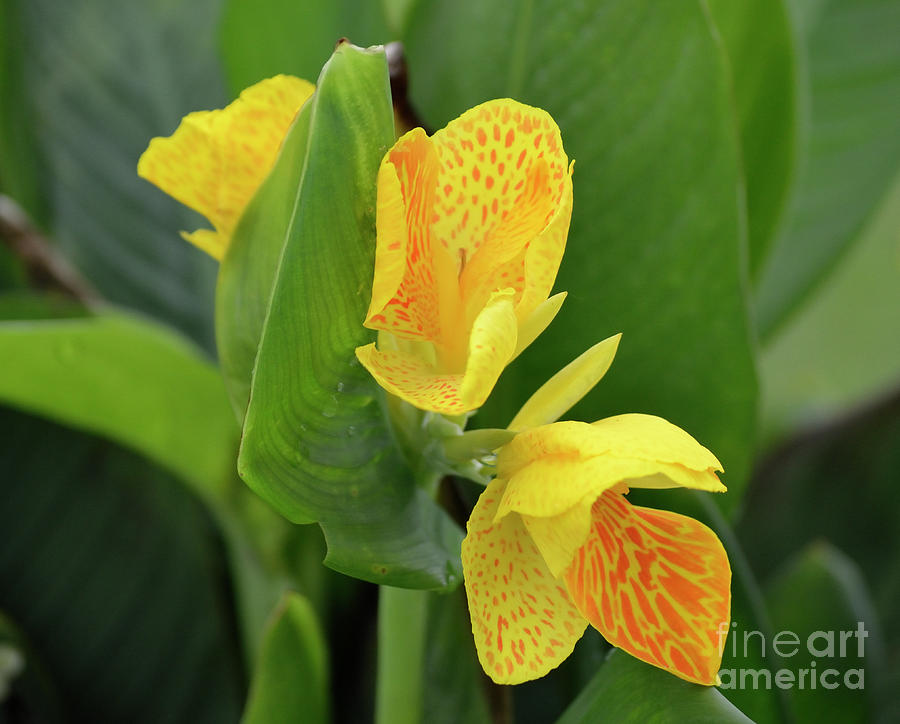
402, 616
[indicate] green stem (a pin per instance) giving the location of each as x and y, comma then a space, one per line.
402, 616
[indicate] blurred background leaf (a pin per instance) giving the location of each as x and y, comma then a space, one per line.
849, 146
290, 680
128, 379
821, 590
839, 349
117, 578
255, 44
655, 248
102, 78
758, 38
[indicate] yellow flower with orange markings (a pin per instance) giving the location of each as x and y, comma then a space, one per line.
471, 228
553, 545
216, 160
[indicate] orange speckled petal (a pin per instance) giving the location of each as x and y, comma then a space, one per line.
544, 254
215, 160
410, 275
523, 621
655, 584
412, 379
504, 178
415, 379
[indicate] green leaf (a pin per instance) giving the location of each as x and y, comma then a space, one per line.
837, 351
19, 163
758, 37
823, 591
294, 288
628, 690
641, 94
261, 38
455, 687
26, 694
114, 573
851, 148
291, 678
129, 379
104, 77
837, 483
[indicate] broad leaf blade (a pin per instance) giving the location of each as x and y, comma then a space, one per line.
316, 443
852, 147
758, 38
105, 77
641, 94
129, 379
261, 38
113, 571
291, 678
627, 690
822, 591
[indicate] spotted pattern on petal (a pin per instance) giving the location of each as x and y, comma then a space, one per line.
655, 584
523, 621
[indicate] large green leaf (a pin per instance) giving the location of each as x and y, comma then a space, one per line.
851, 148
293, 291
115, 575
129, 379
291, 678
641, 94
104, 77
627, 690
758, 37
823, 591
261, 38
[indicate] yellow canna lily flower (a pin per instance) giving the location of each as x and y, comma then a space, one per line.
471, 228
216, 160
553, 545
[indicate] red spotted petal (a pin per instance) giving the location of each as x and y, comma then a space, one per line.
655, 584
523, 621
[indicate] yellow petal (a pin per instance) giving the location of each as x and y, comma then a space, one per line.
558, 538
416, 379
406, 290
523, 621
552, 484
544, 254
554, 467
657, 585
535, 323
488, 155
567, 386
491, 346
215, 160
643, 437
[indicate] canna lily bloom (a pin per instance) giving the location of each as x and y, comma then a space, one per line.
471, 227
216, 160
553, 545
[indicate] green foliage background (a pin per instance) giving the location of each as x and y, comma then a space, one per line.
737, 206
